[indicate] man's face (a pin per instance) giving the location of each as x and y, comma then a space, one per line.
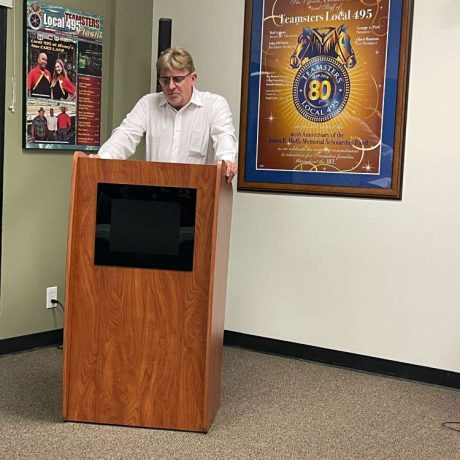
41, 113
178, 94
63, 109
42, 61
51, 112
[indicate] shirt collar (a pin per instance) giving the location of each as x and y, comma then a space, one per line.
196, 99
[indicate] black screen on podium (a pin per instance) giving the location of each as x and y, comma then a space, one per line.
145, 226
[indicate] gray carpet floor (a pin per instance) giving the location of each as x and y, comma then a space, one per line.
271, 408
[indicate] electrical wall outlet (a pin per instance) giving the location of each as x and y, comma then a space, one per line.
51, 294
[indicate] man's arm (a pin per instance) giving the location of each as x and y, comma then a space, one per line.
29, 83
124, 139
223, 136
69, 124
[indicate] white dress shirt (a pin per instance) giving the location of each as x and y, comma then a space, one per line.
200, 132
51, 121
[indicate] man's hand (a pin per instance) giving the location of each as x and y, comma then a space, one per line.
231, 170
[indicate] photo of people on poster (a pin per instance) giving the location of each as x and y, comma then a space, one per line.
63, 78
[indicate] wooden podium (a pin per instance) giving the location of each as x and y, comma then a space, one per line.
142, 346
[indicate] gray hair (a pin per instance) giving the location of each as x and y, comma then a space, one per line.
175, 58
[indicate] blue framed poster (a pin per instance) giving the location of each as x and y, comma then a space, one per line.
324, 96
63, 77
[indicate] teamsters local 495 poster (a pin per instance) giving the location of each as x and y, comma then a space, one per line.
63, 77
322, 67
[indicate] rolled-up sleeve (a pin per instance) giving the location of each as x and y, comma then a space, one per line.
222, 132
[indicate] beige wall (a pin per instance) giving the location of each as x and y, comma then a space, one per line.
37, 183
373, 277
131, 63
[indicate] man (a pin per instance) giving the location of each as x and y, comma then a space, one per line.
39, 78
181, 124
39, 126
52, 126
63, 124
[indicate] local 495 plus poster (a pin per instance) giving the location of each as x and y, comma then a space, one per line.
63, 78
322, 84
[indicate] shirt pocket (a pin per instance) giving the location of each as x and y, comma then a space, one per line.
198, 145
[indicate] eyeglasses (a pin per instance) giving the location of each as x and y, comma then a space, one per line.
164, 81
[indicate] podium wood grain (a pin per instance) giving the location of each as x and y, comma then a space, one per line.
143, 347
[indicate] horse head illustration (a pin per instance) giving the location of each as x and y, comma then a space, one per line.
325, 41
305, 48
343, 48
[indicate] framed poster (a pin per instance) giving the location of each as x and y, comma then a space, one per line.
324, 96
63, 78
